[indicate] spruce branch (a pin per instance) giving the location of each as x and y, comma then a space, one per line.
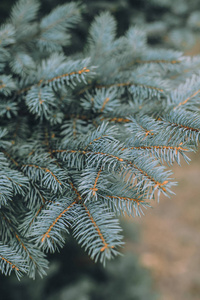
85, 136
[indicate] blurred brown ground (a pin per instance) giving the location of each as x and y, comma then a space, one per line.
170, 242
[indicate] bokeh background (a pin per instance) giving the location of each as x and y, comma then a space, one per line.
169, 241
161, 256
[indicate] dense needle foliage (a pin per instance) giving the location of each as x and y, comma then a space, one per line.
85, 136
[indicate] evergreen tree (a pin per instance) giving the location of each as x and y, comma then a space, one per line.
85, 135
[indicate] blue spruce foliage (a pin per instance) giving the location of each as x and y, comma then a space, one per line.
85, 136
